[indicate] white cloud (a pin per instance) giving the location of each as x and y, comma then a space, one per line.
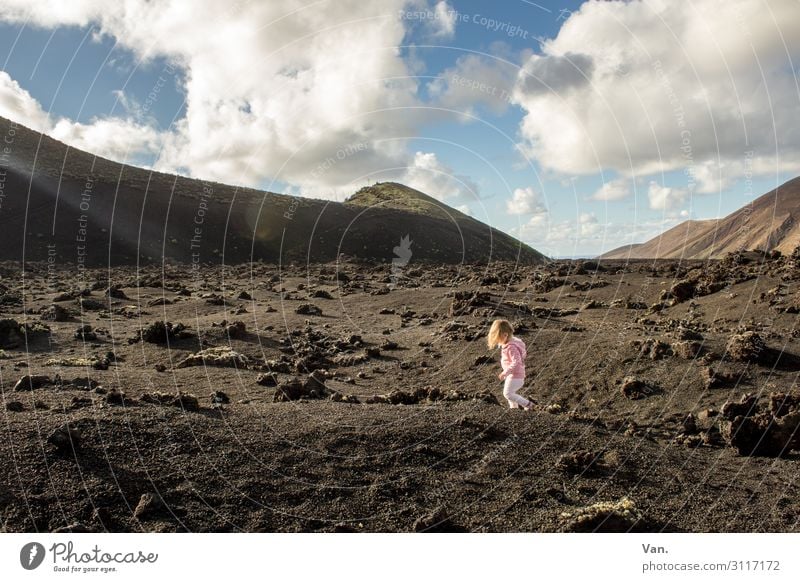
712, 177
464, 209
115, 138
445, 19
612, 190
118, 139
525, 201
665, 198
475, 79
643, 87
17, 104
427, 174
586, 235
273, 90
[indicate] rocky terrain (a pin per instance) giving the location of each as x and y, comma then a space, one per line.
345, 396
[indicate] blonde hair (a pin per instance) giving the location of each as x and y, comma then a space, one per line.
500, 327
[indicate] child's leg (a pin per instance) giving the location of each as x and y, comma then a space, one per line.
510, 392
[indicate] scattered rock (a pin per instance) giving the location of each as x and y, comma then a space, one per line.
431, 394
91, 362
296, 389
320, 294
267, 380
686, 334
308, 309
85, 333
634, 389
435, 521
236, 330
223, 357
149, 504
55, 313
65, 439
32, 382
13, 333
655, 349
466, 302
716, 379
582, 463
115, 397
682, 291
688, 350
187, 402
604, 517
162, 332
219, 397
746, 347
84, 383
89, 304
346, 398
753, 429
115, 292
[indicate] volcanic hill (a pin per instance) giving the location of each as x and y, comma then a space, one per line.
70, 206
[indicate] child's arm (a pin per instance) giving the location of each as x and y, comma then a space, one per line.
503, 367
515, 359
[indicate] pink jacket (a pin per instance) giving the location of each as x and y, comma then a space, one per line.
512, 358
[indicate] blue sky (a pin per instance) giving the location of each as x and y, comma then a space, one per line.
511, 111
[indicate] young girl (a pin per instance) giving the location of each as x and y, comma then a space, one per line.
512, 360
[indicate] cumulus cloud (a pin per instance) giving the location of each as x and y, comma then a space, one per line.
475, 80
555, 73
642, 87
427, 174
446, 19
273, 90
665, 198
525, 201
612, 190
18, 105
587, 235
120, 139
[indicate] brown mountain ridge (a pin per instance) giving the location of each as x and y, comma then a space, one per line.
768, 223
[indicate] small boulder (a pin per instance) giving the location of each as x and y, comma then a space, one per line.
149, 504
219, 398
746, 347
32, 382
634, 389
606, 516
688, 350
308, 309
267, 380
55, 312
65, 439
85, 333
